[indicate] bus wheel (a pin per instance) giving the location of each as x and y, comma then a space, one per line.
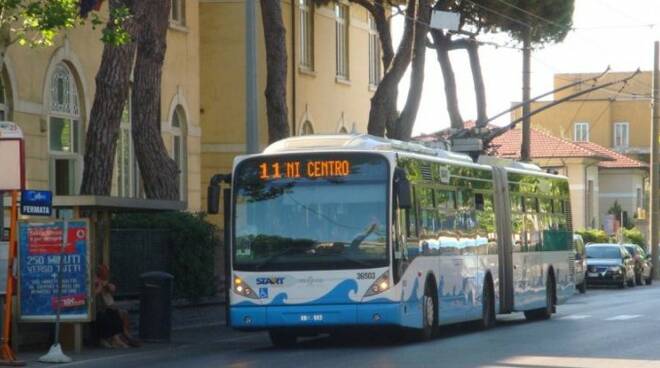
546, 312
488, 306
282, 339
429, 306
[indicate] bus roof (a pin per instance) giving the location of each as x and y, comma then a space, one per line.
358, 142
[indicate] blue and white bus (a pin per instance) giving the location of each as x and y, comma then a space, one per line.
327, 232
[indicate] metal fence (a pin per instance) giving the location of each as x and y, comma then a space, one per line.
135, 251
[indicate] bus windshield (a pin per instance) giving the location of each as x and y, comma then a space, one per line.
312, 212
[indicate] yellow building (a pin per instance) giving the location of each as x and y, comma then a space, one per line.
49, 93
333, 67
611, 117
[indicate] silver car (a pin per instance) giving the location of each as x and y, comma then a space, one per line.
580, 264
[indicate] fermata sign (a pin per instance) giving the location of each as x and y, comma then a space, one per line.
39, 250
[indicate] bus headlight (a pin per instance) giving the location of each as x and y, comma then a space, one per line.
241, 288
380, 285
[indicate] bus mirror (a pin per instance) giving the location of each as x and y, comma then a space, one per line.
402, 187
213, 199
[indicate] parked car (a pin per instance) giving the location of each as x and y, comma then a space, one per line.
643, 265
609, 263
580, 264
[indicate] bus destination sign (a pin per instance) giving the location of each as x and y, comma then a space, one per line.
304, 169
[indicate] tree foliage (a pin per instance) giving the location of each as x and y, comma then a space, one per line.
634, 236
36, 23
593, 235
547, 21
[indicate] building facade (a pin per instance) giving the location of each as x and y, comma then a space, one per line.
334, 66
49, 93
617, 117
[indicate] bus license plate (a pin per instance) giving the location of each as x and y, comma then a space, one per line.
593, 274
311, 317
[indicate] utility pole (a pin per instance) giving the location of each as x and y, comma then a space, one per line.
655, 161
251, 112
525, 149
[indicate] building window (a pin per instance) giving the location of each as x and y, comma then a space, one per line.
178, 12
64, 132
621, 135
306, 34
128, 184
307, 128
581, 132
341, 42
374, 54
179, 149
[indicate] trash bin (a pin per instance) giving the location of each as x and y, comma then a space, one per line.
156, 306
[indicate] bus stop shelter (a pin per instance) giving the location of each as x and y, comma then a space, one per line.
98, 210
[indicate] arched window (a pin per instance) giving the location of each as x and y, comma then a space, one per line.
307, 128
5, 93
64, 132
127, 169
343, 130
179, 149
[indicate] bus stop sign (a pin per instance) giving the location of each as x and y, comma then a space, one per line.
36, 202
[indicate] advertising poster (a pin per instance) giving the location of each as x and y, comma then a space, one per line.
39, 249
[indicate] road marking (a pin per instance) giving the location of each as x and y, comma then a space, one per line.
576, 316
623, 317
577, 362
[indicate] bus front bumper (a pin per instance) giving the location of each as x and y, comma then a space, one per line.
261, 317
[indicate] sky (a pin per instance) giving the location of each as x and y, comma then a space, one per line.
607, 32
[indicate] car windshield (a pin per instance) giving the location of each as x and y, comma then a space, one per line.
317, 212
603, 252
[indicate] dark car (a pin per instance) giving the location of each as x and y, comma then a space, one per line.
609, 264
643, 266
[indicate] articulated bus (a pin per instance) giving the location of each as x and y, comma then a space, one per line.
329, 232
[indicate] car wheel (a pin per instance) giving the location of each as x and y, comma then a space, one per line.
638, 278
649, 280
488, 307
282, 339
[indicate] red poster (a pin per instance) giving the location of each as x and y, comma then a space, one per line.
48, 240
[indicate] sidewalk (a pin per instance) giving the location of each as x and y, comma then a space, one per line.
190, 325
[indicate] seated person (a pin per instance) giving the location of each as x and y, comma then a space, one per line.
112, 322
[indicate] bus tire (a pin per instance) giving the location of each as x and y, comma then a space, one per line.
429, 313
488, 305
282, 339
546, 312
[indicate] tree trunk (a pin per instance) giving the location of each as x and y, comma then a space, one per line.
159, 172
112, 82
442, 44
383, 103
276, 67
406, 121
478, 79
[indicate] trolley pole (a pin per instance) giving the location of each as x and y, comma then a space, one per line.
655, 161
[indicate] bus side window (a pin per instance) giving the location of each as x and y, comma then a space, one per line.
479, 201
